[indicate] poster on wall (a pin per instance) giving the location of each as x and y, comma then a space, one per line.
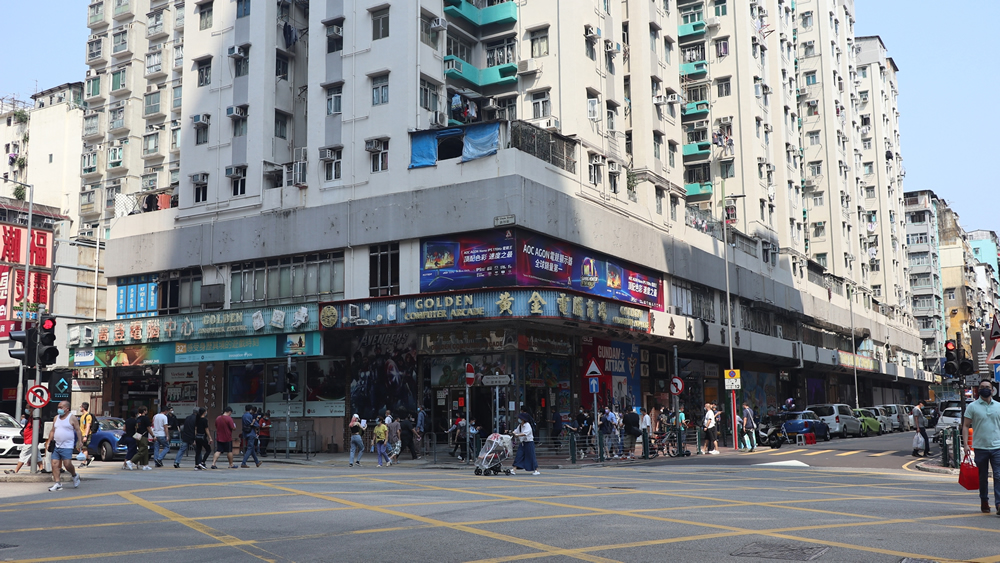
180, 387
760, 391
278, 377
326, 382
468, 261
449, 371
619, 362
384, 373
553, 373
246, 386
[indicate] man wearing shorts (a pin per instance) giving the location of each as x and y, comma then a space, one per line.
25, 457
66, 432
224, 427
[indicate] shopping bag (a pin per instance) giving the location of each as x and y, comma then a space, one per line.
968, 474
918, 441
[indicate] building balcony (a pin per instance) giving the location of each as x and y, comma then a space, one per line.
157, 31
155, 71
477, 13
97, 52
96, 18
697, 189
123, 9
694, 70
698, 150
500, 75
690, 30
696, 109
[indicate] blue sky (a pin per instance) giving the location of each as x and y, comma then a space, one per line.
932, 49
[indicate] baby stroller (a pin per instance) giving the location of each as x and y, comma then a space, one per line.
490, 460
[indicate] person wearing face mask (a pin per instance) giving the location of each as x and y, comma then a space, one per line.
65, 432
983, 415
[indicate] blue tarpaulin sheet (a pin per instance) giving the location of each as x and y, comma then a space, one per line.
480, 140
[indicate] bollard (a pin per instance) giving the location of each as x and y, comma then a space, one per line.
645, 443
572, 448
697, 439
600, 446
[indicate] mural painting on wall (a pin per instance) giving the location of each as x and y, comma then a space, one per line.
553, 373
384, 373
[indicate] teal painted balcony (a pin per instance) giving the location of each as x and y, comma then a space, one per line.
503, 13
501, 75
698, 109
684, 30
704, 188
700, 150
695, 69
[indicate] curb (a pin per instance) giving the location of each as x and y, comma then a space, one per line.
34, 478
926, 466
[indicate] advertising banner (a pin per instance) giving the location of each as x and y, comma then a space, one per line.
180, 385
449, 371
618, 361
384, 373
507, 257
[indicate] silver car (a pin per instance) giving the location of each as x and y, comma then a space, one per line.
10, 435
839, 417
897, 416
883, 419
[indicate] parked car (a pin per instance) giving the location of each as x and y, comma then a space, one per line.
869, 424
951, 417
895, 413
839, 417
908, 409
10, 435
805, 422
883, 418
104, 444
931, 412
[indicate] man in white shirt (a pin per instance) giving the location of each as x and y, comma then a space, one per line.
711, 445
161, 431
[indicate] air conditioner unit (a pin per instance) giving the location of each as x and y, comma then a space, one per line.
149, 170
614, 167
373, 145
778, 331
591, 32
235, 112
439, 24
236, 172
200, 178
453, 64
527, 66
596, 160
151, 88
770, 168
334, 31
761, 12
491, 104
713, 22
703, 124
236, 52
93, 37
201, 119
705, 206
761, 160
865, 130
550, 124
118, 104
439, 119
673, 98
726, 120
326, 154
612, 47
864, 97
810, 183
659, 100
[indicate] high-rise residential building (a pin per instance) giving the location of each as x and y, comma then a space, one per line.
963, 306
923, 249
532, 189
986, 248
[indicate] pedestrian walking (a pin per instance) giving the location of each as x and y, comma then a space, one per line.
983, 415
630, 430
24, 458
711, 445
421, 421
265, 433
557, 430
606, 427
749, 428
187, 437
525, 458
357, 443
920, 422
202, 440
681, 420
64, 434
224, 427
161, 435
380, 434
128, 439
393, 444
250, 424
407, 433
388, 417
141, 437
459, 428
88, 426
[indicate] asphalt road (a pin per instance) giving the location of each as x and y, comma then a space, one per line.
635, 512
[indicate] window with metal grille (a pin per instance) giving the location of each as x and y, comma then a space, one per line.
383, 269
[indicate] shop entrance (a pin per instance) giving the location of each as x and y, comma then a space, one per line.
138, 389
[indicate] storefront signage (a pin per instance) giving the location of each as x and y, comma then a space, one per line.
849, 360
244, 348
509, 257
174, 328
86, 385
137, 297
491, 305
461, 341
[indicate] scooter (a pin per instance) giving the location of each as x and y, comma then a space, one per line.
771, 433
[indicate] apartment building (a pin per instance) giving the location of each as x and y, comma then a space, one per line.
509, 194
923, 248
963, 305
985, 247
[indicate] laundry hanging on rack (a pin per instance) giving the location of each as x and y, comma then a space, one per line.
290, 34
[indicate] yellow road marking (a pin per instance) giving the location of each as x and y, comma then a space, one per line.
850, 453
819, 452
101, 525
883, 453
789, 452
108, 555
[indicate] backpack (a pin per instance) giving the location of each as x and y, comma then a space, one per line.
95, 426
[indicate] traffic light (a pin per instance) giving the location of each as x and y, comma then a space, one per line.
291, 382
47, 351
950, 358
26, 353
965, 365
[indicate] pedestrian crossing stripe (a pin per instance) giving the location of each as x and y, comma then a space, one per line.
819, 452
882, 454
850, 453
789, 452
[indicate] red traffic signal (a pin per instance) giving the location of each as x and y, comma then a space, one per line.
48, 323
949, 345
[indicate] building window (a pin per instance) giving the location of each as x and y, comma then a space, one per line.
239, 127
428, 95
239, 183
613, 183
720, 7
949, 294
243, 64
204, 72
119, 42
594, 174
334, 166
657, 146
335, 36
428, 35
118, 80
380, 159
151, 144
540, 105
724, 87
152, 103
508, 108
869, 192
205, 16
281, 66
675, 203
818, 199
819, 229
672, 154
200, 193
863, 72
721, 48
201, 135
280, 125
816, 168
380, 24
380, 90
869, 168
611, 119
242, 8
175, 138
727, 169
821, 259
807, 20
291, 279
334, 94
591, 50
501, 52
810, 78
668, 49
383, 269
659, 201
458, 48
539, 43
866, 144
115, 156
92, 87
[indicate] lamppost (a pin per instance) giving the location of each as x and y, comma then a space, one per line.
852, 290
24, 292
728, 305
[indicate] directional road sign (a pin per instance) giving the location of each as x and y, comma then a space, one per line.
595, 385
37, 397
733, 379
676, 386
495, 380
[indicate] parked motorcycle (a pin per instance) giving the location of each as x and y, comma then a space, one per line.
771, 432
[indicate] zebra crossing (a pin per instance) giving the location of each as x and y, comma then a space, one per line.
808, 452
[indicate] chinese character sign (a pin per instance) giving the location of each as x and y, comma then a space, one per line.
468, 261
14, 247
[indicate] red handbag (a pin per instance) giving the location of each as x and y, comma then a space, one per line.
968, 474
